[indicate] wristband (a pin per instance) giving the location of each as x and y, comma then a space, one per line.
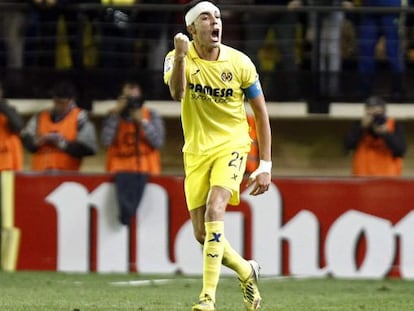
264, 167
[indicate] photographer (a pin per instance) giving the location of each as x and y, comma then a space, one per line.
11, 123
378, 142
61, 137
133, 134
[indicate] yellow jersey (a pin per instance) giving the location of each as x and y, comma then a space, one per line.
213, 115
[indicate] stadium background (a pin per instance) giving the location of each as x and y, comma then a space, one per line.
308, 126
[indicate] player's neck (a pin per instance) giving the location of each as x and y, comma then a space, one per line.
207, 53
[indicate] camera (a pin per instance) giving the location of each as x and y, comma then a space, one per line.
134, 102
379, 119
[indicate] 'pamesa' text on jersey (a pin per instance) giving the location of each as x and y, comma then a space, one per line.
211, 91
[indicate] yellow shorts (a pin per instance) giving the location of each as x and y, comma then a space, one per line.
225, 169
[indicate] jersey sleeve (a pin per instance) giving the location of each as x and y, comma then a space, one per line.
168, 66
249, 74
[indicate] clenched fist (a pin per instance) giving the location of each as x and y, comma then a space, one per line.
181, 44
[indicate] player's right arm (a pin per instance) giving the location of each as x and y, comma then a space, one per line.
177, 79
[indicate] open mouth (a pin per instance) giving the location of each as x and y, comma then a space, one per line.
215, 34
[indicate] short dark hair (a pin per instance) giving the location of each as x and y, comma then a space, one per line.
376, 101
63, 89
131, 83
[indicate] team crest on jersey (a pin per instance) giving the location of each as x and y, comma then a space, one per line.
226, 76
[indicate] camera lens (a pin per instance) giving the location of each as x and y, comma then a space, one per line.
379, 119
135, 102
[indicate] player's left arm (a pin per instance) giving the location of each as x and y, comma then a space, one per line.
261, 177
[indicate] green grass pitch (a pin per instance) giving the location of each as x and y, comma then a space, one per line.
52, 291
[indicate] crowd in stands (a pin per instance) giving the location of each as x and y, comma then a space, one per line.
63, 35
60, 34
288, 44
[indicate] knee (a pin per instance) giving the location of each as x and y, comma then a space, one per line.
215, 211
216, 208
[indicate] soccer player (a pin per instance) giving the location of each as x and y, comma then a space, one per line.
212, 80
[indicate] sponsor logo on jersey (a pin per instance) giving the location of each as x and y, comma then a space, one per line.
209, 90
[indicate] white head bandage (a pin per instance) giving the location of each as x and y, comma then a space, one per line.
196, 10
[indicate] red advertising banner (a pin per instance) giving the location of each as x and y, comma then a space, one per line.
342, 227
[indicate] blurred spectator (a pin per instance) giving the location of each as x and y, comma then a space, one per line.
409, 32
117, 33
176, 22
133, 37
329, 49
41, 33
283, 57
59, 138
378, 142
52, 34
371, 26
87, 35
11, 123
12, 28
69, 35
233, 19
151, 33
133, 134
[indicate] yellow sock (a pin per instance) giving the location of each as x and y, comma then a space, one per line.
233, 260
212, 256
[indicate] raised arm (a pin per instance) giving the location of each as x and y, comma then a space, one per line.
177, 80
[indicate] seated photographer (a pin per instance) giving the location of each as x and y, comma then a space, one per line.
59, 138
133, 134
378, 142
